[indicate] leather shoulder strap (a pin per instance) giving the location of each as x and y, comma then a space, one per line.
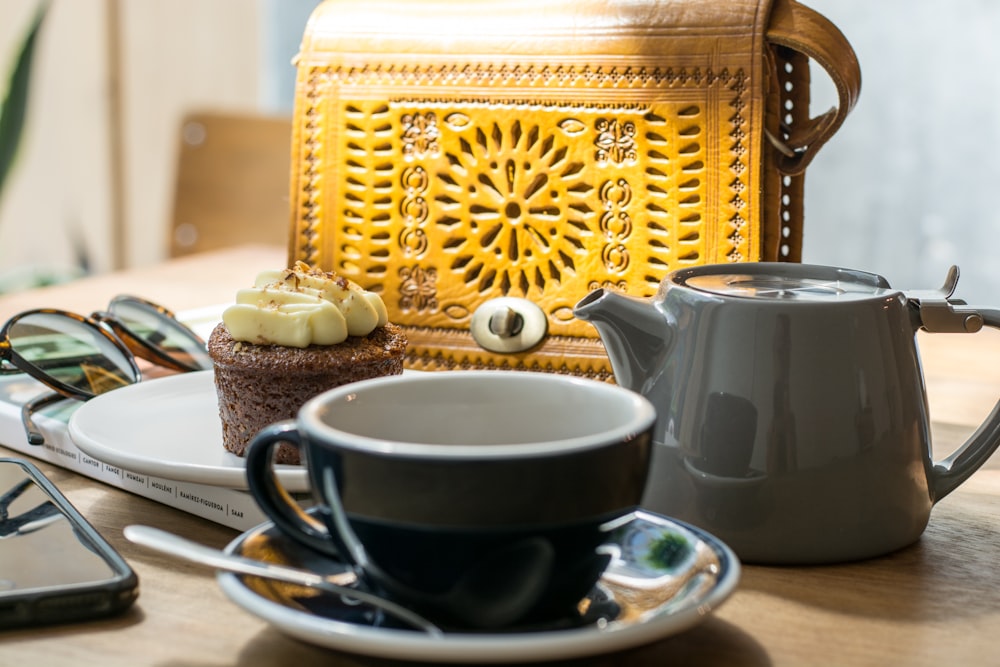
802, 29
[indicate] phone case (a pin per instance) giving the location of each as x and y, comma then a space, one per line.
57, 601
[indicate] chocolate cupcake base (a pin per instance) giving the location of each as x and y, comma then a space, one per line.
258, 385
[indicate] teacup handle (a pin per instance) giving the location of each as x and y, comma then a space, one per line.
950, 472
272, 497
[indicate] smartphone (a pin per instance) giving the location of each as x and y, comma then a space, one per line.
54, 566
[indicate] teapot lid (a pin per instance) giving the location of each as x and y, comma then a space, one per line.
778, 280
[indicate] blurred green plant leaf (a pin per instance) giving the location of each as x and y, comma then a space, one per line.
15, 104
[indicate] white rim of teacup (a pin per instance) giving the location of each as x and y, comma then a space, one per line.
644, 414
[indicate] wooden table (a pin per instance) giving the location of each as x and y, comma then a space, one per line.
935, 603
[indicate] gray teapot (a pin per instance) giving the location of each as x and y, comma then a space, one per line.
791, 409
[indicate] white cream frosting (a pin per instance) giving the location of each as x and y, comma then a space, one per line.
302, 306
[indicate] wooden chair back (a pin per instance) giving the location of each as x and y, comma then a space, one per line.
232, 182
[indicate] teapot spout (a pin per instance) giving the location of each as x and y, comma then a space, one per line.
634, 332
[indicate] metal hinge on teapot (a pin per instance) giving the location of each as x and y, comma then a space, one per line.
939, 313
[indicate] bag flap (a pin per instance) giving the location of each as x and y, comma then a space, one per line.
449, 154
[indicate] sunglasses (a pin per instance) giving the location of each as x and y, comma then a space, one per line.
80, 357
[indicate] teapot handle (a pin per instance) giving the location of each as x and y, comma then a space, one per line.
949, 473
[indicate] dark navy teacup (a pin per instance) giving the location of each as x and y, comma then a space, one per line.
479, 498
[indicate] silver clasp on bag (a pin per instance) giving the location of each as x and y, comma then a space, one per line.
509, 324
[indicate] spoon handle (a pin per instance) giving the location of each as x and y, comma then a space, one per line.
183, 548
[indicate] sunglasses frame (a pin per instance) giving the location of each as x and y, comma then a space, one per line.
141, 348
21, 365
114, 331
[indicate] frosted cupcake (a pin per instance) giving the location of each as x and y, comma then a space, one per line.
296, 333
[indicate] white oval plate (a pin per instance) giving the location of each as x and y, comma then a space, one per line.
666, 577
170, 428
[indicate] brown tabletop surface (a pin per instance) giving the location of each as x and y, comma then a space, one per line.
934, 603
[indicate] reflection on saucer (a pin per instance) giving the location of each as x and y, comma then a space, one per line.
659, 568
665, 577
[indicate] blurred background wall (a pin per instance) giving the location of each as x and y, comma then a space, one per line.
909, 186
111, 81
905, 189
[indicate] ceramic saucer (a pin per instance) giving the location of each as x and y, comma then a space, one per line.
170, 428
665, 577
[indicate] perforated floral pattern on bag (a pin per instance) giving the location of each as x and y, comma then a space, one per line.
535, 160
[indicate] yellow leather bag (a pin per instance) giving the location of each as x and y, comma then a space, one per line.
484, 165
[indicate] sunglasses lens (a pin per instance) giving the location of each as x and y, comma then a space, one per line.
162, 332
71, 352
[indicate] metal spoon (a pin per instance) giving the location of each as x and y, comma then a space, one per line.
176, 545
